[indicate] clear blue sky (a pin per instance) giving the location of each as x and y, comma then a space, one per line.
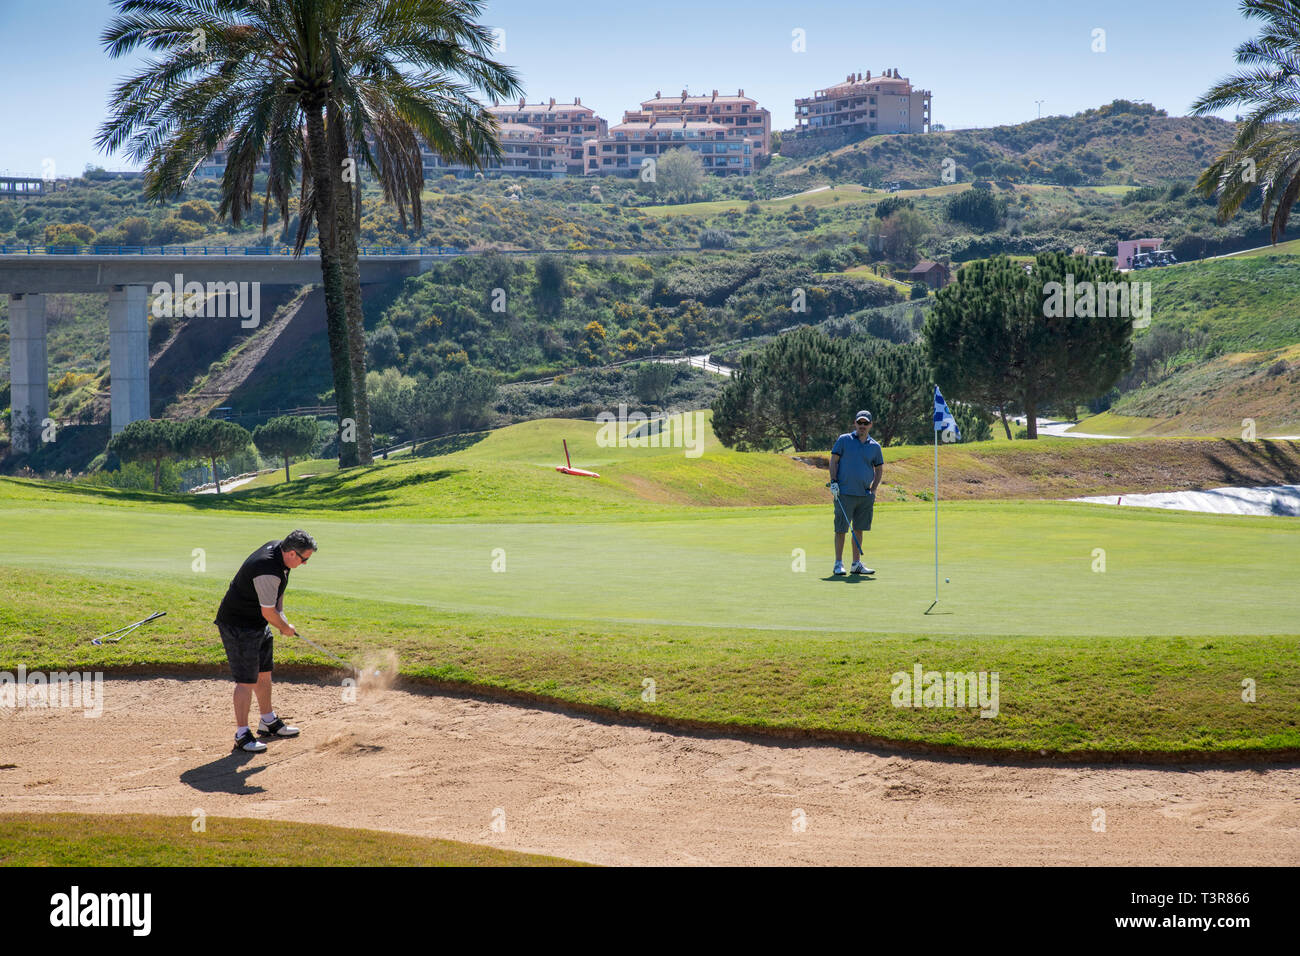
985, 62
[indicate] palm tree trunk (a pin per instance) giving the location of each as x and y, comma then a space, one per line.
336, 319
216, 475
348, 226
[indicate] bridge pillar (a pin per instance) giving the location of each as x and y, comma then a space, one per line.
128, 354
29, 370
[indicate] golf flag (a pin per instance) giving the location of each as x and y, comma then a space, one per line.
943, 422
943, 419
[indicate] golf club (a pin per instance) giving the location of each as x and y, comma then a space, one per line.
123, 631
861, 552
352, 667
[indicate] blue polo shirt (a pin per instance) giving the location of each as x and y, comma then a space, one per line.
858, 463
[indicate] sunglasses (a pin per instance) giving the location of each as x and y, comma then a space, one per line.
862, 421
302, 557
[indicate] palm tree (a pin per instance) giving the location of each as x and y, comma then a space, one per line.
1266, 150
380, 115
271, 77
246, 75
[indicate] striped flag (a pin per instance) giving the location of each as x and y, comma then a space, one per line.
943, 419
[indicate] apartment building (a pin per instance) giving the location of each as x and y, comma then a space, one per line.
566, 124
729, 133
214, 167
525, 151
741, 114
537, 139
553, 139
630, 143
882, 104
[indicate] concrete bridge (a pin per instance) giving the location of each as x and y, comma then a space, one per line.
27, 277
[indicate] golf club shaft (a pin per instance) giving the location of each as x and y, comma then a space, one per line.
850, 525
323, 651
130, 627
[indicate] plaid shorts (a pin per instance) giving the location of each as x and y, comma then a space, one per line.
249, 650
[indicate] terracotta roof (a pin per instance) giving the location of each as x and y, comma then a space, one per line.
534, 107
674, 122
874, 81
699, 100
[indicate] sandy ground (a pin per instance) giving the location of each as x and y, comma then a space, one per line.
447, 766
1062, 429
226, 485
1281, 500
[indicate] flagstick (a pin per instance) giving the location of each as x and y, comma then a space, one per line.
936, 522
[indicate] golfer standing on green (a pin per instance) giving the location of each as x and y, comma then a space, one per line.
856, 466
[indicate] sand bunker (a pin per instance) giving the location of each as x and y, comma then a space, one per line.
543, 782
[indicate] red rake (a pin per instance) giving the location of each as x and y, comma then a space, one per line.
568, 469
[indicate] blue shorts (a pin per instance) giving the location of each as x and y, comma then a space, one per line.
857, 508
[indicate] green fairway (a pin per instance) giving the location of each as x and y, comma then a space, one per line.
821, 197
1114, 629
1289, 248
86, 839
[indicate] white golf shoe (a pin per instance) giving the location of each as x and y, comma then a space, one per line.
246, 741
276, 728
860, 568
839, 568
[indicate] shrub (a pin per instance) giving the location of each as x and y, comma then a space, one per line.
69, 234
135, 230
197, 210
975, 208
890, 205
715, 239
174, 231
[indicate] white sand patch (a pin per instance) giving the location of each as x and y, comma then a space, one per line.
1268, 500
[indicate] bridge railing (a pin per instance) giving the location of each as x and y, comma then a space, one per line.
27, 249
230, 414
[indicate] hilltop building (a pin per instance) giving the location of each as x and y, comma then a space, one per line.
730, 134
865, 104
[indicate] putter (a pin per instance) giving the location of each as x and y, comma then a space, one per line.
124, 631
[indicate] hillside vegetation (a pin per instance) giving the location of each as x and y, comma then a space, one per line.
1121, 143
786, 257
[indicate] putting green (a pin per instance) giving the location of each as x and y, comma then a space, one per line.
1017, 568
1113, 629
